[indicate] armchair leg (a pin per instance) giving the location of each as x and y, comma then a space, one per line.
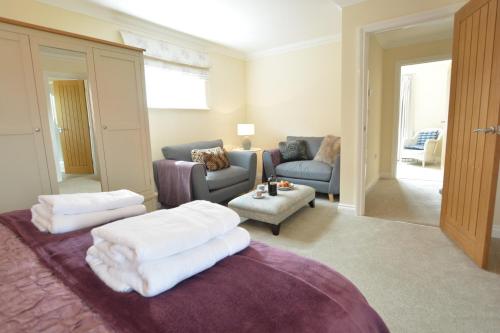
330, 197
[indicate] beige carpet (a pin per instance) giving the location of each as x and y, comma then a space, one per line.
409, 200
413, 275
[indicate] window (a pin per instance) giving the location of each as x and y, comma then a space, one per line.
170, 86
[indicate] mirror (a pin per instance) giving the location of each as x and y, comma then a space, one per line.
65, 75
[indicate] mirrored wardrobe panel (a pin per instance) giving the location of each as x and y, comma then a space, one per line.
65, 76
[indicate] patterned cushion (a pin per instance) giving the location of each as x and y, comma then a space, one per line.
426, 135
213, 158
293, 150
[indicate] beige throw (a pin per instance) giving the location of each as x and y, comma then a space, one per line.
329, 149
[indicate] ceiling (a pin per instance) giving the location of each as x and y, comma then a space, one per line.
250, 26
415, 34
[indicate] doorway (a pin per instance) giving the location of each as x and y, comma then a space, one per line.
70, 121
407, 107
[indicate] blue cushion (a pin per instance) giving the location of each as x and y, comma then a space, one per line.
313, 170
226, 177
426, 135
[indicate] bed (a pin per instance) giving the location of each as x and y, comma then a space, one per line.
47, 286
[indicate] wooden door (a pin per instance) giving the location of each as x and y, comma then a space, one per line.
472, 151
23, 166
73, 126
123, 120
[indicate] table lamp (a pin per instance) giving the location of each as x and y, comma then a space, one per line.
246, 130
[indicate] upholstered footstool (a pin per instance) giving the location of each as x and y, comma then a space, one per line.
273, 210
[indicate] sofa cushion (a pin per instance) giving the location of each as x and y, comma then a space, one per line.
183, 152
293, 150
213, 158
426, 135
313, 170
312, 144
226, 177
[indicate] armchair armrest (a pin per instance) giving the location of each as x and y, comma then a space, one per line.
199, 182
334, 186
246, 160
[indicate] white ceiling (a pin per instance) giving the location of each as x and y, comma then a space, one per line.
415, 34
250, 26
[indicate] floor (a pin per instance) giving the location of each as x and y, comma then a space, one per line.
79, 184
413, 275
412, 197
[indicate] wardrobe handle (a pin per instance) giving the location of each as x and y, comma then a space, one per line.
37, 130
105, 127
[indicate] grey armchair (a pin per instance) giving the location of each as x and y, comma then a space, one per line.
221, 185
321, 176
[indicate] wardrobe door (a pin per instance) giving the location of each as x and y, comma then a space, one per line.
123, 120
23, 166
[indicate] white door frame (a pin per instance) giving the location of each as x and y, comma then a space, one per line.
362, 87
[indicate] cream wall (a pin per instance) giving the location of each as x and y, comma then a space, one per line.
374, 125
227, 90
354, 18
294, 93
392, 59
430, 93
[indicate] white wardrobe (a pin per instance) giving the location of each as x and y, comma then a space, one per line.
117, 112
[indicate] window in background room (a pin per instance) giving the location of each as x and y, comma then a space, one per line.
175, 87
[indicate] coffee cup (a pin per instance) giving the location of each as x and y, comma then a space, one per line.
261, 187
259, 193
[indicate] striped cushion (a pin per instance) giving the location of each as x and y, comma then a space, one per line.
426, 135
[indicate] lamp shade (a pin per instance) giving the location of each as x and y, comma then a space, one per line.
246, 129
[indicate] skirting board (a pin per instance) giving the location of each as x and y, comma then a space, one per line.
495, 233
351, 209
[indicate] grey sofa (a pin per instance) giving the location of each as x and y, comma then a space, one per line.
321, 176
216, 186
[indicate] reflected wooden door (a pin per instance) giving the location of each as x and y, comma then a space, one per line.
472, 151
73, 123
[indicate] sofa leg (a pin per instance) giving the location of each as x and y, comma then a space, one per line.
330, 197
312, 203
275, 228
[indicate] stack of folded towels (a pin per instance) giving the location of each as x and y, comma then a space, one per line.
61, 213
153, 252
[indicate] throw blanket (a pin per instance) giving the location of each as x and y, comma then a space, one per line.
154, 277
79, 203
45, 221
164, 232
260, 289
275, 158
173, 181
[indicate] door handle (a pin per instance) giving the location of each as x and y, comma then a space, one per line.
491, 129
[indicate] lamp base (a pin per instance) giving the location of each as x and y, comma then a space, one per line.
246, 143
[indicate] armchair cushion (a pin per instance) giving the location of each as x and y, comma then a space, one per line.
312, 170
293, 150
426, 135
213, 158
226, 177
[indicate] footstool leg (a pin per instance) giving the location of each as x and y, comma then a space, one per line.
275, 228
312, 203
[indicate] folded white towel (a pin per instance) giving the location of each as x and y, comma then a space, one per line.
154, 277
44, 220
164, 232
79, 203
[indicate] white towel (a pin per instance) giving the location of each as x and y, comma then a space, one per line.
164, 232
79, 203
45, 221
154, 277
